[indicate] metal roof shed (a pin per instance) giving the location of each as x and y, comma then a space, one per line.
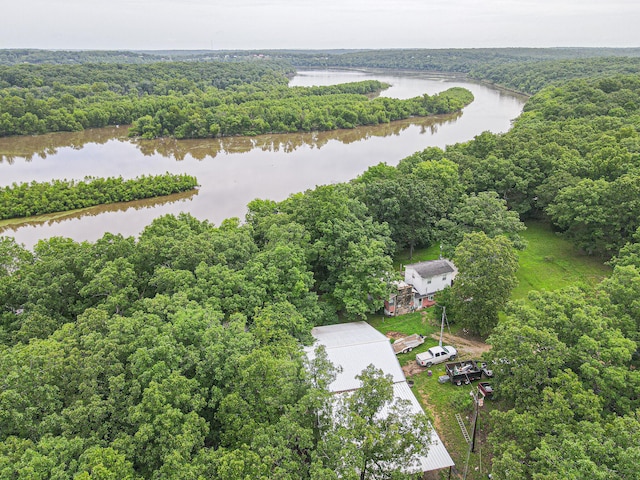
354, 346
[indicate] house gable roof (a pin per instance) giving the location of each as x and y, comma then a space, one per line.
432, 268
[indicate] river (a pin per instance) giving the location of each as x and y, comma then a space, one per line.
233, 171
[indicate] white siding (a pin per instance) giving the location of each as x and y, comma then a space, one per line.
429, 284
413, 278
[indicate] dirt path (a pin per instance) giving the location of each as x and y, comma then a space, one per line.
395, 335
467, 346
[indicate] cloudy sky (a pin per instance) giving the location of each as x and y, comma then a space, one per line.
278, 24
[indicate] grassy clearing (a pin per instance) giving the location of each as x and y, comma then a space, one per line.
407, 324
423, 322
442, 401
548, 263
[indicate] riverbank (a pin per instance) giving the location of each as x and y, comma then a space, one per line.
233, 171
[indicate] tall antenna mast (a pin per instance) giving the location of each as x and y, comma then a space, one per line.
442, 324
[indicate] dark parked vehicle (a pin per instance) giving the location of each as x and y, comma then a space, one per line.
460, 373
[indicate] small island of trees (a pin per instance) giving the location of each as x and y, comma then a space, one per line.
38, 198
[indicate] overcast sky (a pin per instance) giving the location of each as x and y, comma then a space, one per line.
306, 24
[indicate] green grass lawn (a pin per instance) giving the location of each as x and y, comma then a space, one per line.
443, 401
423, 322
550, 262
407, 324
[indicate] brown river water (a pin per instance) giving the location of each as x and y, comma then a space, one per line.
233, 171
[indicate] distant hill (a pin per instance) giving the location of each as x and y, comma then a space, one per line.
449, 60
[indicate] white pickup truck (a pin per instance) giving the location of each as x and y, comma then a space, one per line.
436, 355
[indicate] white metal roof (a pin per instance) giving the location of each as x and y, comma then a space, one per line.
343, 334
355, 346
437, 456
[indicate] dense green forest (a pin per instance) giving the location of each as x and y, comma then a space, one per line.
531, 77
37, 198
63, 57
572, 157
195, 100
177, 354
566, 364
43, 98
155, 79
300, 109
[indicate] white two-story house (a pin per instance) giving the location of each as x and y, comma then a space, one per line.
421, 282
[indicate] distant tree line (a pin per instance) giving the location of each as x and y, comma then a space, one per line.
523, 69
526, 70
37, 198
33, 56
17, 56
436, 59
530, 77
157, 78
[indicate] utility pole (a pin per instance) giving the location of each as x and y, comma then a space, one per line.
472, 445
442, 325
476, 400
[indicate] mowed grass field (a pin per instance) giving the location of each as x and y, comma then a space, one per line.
550, 262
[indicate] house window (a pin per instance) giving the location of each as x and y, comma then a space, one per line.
444, 278
428, 281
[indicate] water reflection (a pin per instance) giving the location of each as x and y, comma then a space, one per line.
41, 220
29, 146
42, 146
201, 149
